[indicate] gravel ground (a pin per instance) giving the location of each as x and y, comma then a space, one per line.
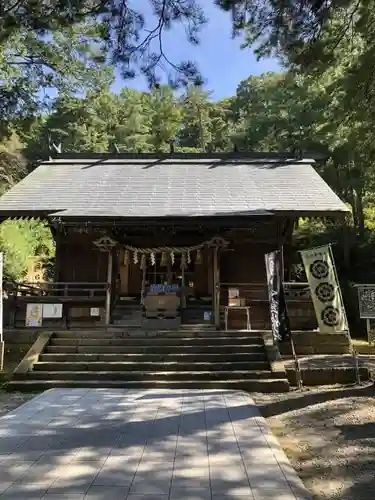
10, 400
328, 434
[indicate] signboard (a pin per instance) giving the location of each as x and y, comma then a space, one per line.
366, 301
164, 288
52, 311
94, 311
233, 293
207, 315
34, 314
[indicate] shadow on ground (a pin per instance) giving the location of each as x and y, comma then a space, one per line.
329, 436
97, 445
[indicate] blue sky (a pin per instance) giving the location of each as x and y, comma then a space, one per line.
219, 57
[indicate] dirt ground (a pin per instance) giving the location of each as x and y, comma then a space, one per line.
328, 434
10, 401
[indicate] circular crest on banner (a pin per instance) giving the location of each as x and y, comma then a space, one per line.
319, 269
325, 292
331, 316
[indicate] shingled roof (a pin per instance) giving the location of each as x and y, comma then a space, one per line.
132, 186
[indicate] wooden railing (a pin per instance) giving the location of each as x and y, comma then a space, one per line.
258, 292
57, 290
298, 299
70, 294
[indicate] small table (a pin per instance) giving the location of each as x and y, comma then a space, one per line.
239, 308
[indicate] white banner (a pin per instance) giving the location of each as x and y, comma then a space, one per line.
325, 289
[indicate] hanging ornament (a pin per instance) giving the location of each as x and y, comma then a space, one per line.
172, 257
198, 257
183, 261
153, 259
126, 257
188, 257
143, 261
164, 259
135, 257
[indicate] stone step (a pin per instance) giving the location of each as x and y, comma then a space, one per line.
59, 366
155, 349
250, 385
145, 375
158, 341
184, 331
86, 357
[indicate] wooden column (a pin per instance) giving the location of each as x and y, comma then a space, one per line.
58, 254
109, 287
216, 287
124, 274
183, 294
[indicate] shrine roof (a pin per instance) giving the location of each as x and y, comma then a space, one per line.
175, 185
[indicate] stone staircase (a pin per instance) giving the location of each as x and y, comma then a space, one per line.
186, 358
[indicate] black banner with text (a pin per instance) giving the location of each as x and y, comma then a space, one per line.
278, 310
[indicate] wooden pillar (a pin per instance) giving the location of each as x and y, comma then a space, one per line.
124, 273
216, 287
58, 254
183, 294
109, 287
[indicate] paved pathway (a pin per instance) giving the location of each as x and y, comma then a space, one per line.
142, 445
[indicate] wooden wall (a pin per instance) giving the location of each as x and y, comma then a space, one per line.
79, 260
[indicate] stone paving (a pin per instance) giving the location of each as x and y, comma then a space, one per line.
142, 445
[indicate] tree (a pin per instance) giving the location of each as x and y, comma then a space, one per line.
12, 162
32, 66
165, 117
221, 125
132, 41
194, 131
131, 131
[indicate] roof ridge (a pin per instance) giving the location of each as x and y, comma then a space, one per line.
179, 155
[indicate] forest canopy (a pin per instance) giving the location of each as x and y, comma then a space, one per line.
58, 61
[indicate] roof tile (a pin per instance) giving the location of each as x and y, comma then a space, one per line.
171, 187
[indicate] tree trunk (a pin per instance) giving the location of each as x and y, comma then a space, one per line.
351, 198
360, 216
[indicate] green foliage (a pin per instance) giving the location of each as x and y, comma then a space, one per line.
47, 38
165, 118
20, 241
33, 64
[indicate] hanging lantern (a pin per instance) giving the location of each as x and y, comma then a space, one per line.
198, 257
126, 257
135, 257
164, 259
153, 259
183, 261
143, 262
172, 257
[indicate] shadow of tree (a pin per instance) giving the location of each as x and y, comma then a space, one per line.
115, 444
329, 436
305, 398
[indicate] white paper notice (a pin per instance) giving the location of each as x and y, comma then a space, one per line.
52, 310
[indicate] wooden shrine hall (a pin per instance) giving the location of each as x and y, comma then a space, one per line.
158, 240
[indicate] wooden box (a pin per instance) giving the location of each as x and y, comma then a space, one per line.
237, 302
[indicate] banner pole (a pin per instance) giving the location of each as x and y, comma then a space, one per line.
352, 348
